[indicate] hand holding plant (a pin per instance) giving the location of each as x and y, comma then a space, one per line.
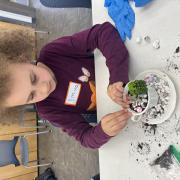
115, 92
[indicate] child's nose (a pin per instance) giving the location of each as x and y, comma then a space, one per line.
43, 88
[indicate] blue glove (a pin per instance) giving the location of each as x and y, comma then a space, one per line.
123, 16
140, 3
107, 3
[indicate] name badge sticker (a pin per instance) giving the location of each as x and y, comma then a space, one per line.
72, 93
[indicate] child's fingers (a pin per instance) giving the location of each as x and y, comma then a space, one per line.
119, 87
121, 101
117, 99
118, 128
126, 98
124, 105
123, 114
115, 114
112, 123
117, 122
117, 94
120, 83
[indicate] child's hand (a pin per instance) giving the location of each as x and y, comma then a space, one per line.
115, 92
113, 123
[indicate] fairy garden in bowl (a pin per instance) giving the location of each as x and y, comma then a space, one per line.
137, 90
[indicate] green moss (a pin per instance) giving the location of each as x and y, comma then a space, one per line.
137, 87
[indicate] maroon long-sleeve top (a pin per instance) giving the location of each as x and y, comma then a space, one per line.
72, 61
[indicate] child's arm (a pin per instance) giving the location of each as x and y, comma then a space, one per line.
102, 36
89, 136
75, 125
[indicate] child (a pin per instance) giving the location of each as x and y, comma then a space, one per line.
63, 83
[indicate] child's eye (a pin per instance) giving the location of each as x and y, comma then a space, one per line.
32, 96
33, 78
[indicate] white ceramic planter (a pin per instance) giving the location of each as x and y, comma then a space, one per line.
152, 101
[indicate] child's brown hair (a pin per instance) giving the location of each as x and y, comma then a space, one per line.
14, 43
15, 46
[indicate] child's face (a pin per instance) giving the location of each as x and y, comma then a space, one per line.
30, 84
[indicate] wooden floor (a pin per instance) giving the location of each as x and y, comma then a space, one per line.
71, 160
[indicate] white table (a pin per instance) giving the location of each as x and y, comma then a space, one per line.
120, 158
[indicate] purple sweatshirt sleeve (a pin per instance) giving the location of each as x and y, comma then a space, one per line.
104, 37
75, 125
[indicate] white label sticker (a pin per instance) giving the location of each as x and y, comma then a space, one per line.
73, 93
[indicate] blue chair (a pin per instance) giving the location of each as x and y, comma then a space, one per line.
66, 3
7, 151
30, 108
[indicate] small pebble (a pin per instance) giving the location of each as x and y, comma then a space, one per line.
139, 109
156, 44
138, 40
147, 39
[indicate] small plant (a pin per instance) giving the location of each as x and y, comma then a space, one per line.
137, 87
